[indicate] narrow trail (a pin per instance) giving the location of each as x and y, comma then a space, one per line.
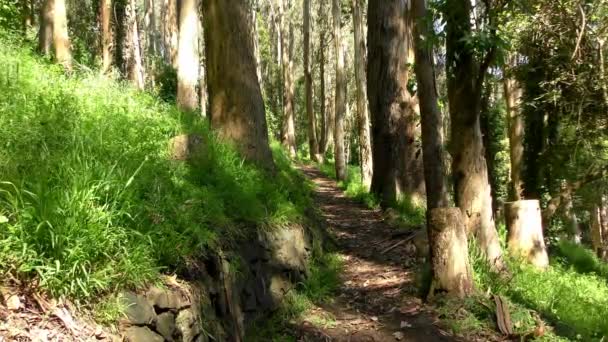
377, 299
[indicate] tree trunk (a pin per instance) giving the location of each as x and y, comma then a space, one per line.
135, 70
105, 19
431, 118
599, 229
450, 262
365, 147
288, 135
235, 99
187, 56
525, 239
469, 169
392, 107
322, 96
61, 39
27, 19
45, 34
340, 99
171, 31
313, 143
515, 122
256, 43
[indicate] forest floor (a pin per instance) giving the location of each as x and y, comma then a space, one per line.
377, 300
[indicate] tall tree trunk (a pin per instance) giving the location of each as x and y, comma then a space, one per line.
437, 194
187, 56
470, 172
235, 99
256, 43
515, 122
365, 146
171, 31
135, 70
45, 34
105, 19
313, 143
61, 39
288, 132
322, 95
340, 111
447, 236
392, 107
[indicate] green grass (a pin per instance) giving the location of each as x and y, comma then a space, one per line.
575, 304
90, 201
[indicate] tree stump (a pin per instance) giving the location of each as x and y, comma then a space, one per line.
525, 231
450, 252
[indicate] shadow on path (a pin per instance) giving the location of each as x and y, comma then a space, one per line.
377, 299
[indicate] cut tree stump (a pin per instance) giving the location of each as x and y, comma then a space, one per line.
450, 256
525, 231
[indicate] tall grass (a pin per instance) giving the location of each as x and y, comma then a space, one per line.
90, 201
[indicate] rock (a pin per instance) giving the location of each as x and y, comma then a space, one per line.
141, 334
184, 147
279, 286
165, 325
166, 300
138, 310
187, 325
290, 247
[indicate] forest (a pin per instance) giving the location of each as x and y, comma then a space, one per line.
312, 170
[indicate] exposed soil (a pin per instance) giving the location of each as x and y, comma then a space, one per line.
377, 300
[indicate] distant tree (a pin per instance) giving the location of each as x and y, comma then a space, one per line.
170, 31
187, 56
365, 147
310, 114
45, 34
340, 93
105, 19
288, 134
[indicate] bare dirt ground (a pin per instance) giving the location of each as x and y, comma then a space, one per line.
377, 300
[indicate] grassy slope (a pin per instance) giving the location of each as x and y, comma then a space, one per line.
89, 200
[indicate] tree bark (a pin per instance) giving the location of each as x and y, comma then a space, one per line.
61, 39
135, 69
313, 143
450, 262
340, 99
396, 169
599, 228
235, 98
187, 56
45, 34
365, 147
437, 194
322, 95
105, 19
470, 172
288, 135
525, 228
27, 19
171, 31
513, 94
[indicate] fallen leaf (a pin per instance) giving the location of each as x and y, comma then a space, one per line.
374, 318
398, 336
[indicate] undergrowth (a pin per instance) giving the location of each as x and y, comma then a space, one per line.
571, 296
410, 214
90, 200
318, 288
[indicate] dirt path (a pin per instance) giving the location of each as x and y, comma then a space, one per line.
377, 300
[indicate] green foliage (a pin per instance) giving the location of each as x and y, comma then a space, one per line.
10, 15
352, 186
575, 304
90, 199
